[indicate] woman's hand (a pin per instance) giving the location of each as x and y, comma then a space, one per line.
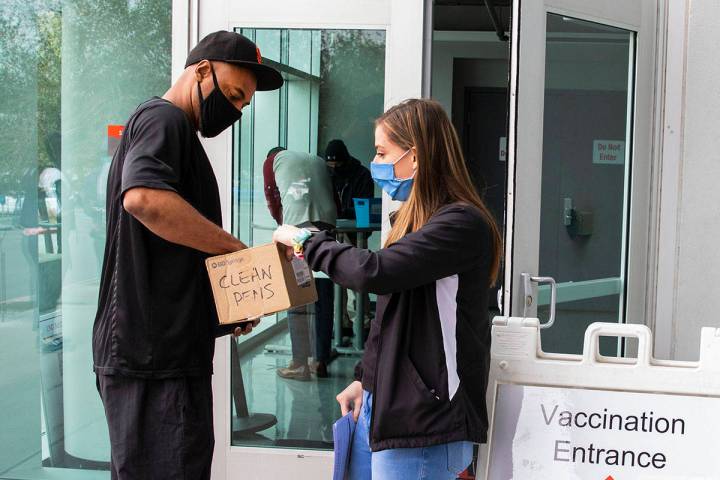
285, 234
351, 398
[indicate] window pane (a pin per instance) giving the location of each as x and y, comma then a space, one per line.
334, 84
586, 160
300, 52
270, 41
70, 75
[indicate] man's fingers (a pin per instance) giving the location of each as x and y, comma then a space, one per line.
246, 328
290, 253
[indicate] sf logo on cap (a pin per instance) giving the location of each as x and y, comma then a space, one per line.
259, 57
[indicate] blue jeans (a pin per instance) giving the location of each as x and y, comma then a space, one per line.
439, 462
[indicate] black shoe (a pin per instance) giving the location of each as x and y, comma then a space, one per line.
321, 370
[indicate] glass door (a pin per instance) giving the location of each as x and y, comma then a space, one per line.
343, 63
578, 166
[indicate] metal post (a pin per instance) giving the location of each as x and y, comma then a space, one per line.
337, 316
3, 286
359, 305
244, 422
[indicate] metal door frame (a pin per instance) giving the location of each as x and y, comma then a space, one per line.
403, 21
527, 73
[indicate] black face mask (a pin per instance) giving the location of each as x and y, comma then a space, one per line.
216, 112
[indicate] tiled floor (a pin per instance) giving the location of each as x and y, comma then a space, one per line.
305, 411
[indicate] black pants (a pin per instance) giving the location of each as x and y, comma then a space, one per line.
324, 312
159, 428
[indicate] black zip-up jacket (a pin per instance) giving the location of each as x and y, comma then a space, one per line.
351, 180
427, 356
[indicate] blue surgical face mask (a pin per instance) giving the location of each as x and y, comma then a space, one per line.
384, 176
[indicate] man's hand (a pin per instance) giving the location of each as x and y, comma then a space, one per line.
246, 328
351, 399
170, 217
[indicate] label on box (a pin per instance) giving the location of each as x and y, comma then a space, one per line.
302, 272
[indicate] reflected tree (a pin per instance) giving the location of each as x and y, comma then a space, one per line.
352, 89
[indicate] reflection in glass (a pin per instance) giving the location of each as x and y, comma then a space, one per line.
334, 90
586, 160
68, 71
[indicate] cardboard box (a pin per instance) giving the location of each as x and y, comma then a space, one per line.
258, 281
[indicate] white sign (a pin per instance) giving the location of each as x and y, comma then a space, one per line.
548, 433
502, 156
609, 152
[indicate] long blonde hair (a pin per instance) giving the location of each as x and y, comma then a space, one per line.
441, 177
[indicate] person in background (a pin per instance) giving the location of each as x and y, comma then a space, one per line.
349, 177
350, 180
272, 194
299, 192
156, 323
423, 375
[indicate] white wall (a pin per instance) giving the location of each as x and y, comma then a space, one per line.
693, 180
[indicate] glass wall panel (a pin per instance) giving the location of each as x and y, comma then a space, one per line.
71, 72
334, 87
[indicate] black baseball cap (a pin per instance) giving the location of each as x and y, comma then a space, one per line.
231, 47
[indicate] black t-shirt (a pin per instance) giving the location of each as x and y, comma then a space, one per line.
156, 316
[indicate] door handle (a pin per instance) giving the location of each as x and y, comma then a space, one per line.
530, 299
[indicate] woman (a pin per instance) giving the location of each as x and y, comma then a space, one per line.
419, 397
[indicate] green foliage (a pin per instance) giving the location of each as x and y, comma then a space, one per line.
352, 89
116, 54
20, 42
89, 61
48, 88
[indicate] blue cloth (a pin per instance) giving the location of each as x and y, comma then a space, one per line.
343, 431
439, 462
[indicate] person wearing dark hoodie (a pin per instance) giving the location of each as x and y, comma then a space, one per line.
419, 394
350, 178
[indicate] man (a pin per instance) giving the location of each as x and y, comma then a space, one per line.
298, 185
156, 324
350, 178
